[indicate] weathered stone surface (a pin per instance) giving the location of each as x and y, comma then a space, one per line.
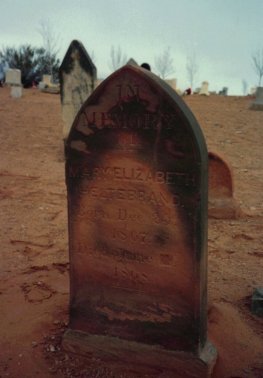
77, 76
136, 167
139, 358
222, 204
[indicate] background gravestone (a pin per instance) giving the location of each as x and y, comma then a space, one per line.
221, 203
204, 89
136, 167
13, 79
257, 104
132, 62
77, 76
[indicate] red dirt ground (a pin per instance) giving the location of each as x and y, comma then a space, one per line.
34, 255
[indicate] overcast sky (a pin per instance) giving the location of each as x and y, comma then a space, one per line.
223, 34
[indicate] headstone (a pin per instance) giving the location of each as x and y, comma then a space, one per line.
132, 62
13, 77
77, 76
172, 83
136, 173
223, 92
46, 79
257, 104
204, 89
222, 204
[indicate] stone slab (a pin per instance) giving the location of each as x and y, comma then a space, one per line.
221, 203
138, 358
257, 104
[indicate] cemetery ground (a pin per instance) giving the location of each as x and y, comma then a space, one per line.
34, 253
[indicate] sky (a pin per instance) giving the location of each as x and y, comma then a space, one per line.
221, 34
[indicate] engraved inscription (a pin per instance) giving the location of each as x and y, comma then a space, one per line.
128, 217
159, 215
135, 174
104, 249
133, 279
150, 197
132, 121
133, 236
126, 91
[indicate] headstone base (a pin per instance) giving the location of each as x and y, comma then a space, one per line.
223, 208
137, 358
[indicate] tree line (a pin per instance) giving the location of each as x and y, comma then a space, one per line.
32, 61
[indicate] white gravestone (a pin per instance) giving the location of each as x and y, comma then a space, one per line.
13, 77
204, 89
46, 79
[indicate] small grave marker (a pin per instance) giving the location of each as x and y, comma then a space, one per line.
132, 62
136, 171
257, 104
13, 78
204, 89
77, 76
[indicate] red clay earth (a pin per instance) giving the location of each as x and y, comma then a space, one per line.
34, 254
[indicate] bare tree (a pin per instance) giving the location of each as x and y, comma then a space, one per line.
191, 68
257, 60
50, 42
164, 63
244, 86
118, 58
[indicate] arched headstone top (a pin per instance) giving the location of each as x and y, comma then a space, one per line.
220, 176
148, 103
76, 51
77, 77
